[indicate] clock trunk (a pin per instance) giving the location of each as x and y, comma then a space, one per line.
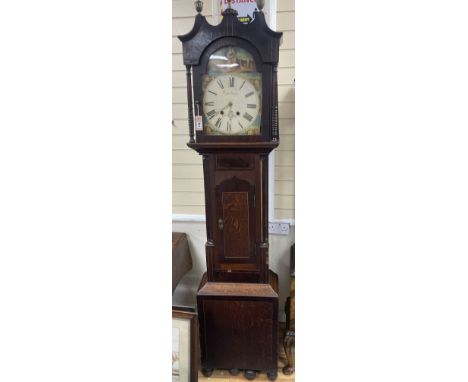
236, 198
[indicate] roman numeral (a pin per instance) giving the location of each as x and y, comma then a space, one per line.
211, 114
248, 117
231, 82
228, 127
209, 103
251, 105
220, 84
240, 124
242, 85
218, 123
249, 94
213, 92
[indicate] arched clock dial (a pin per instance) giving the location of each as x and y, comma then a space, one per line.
231, 105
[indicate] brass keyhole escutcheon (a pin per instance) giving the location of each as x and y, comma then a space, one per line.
220, 224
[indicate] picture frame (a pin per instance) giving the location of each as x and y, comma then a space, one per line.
184, 344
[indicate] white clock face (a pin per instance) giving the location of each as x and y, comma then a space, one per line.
231, 105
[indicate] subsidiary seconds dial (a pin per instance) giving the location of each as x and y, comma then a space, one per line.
231, 105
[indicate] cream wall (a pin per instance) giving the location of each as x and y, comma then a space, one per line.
187, 175
284, 155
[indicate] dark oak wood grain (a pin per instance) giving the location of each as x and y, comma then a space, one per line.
238, 297
236, 206
239, 325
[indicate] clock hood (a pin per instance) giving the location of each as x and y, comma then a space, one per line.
257, 33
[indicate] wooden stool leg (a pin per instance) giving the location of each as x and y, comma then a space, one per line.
288, 343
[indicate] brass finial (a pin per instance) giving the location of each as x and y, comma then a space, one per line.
198, 6
260, 4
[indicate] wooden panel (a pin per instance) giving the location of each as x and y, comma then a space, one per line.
239, 334
236, 224
265, 290
234, 162
239, 324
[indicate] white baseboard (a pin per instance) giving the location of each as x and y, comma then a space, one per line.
188, 218
202, 218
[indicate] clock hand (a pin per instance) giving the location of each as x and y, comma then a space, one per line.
230, 116
228, 105
230, 112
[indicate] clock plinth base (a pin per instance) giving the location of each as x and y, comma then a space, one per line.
239, 325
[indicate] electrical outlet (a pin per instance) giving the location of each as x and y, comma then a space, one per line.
272, 228
278, 228
284, 228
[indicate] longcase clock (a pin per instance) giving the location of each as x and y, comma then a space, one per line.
233, 123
